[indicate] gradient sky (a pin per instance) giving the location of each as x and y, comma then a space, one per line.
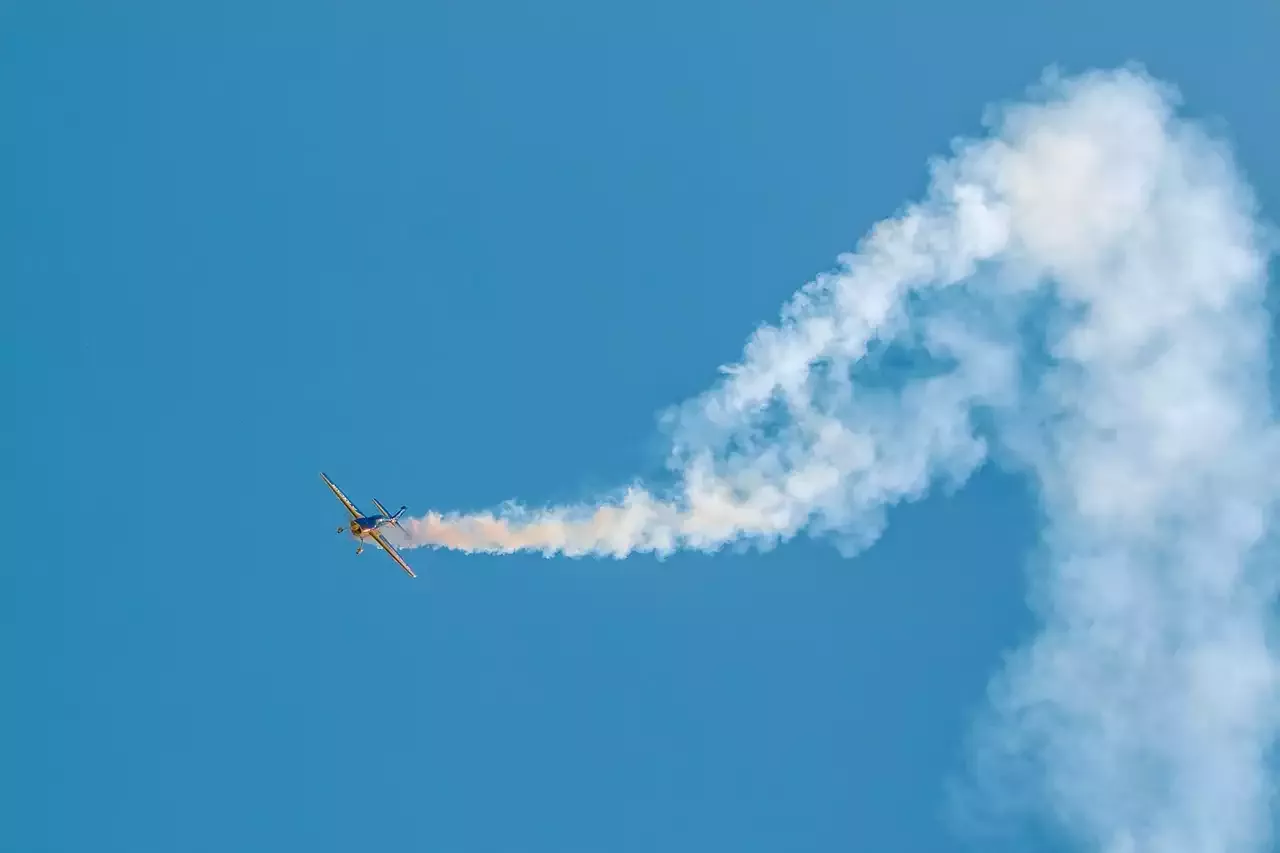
451, 255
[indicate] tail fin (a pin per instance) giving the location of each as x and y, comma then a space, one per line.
394, 519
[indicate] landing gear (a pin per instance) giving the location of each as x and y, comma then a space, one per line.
359, 550
340, 529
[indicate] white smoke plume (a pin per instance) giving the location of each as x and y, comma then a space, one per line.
1083, 290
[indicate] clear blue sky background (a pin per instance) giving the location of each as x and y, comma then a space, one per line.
453, 254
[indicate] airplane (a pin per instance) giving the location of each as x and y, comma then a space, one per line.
362, 526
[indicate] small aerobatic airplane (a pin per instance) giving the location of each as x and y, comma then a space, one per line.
363, 526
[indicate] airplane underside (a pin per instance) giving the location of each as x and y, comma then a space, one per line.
359, 534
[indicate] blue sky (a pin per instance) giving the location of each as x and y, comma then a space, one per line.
453, 255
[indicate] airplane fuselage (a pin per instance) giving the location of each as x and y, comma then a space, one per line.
361, 527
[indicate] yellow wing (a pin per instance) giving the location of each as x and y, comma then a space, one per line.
395, 555
351, 508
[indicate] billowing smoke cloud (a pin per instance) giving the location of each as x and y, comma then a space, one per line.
1082, 290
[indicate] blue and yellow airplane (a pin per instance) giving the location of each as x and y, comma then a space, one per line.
366, 526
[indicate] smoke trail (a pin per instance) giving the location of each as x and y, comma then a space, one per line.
1088, 282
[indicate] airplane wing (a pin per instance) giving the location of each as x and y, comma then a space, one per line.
351, 508
395, 555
